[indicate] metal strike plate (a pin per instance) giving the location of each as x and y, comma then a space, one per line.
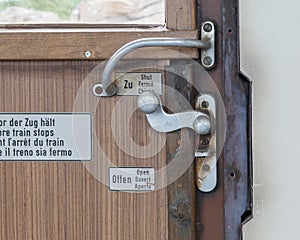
208, 55
206, 157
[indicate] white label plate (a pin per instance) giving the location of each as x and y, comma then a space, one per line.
45, 136
137, 83
131, 179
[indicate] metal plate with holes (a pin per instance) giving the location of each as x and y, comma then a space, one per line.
206, 159
208, 55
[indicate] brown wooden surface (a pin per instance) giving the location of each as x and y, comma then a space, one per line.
62, 200
181, 14
62, 45
182, 192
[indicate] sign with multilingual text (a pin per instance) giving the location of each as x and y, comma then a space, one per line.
135, 83
131, 179
45, 136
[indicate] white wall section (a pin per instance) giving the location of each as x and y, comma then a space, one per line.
270, 56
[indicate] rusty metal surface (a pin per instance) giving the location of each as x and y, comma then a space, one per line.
210, 207
237, 149
220, 214
206, 154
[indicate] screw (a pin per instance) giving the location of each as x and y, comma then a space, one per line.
99, 90
205, 104
111, 89
207, 61
182, 212
205, 141
206, 168
207, 27
87, 54
178, 86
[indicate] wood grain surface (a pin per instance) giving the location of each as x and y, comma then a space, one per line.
63, 200
66, 44
181, 14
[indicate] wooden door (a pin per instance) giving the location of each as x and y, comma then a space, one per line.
51, 69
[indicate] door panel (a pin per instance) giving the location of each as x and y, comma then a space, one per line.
45, 68
63, 200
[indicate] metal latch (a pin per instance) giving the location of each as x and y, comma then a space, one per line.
202, 121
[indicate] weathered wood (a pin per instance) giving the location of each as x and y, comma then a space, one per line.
72, 44
182, 192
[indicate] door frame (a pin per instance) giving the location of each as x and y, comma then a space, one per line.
71, 41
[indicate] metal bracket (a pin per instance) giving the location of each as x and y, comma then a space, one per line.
208, 32
206, 157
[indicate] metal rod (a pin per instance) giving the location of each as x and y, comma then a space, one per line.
148, 42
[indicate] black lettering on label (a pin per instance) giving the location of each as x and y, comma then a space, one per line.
146, 76
15, 123
31, 123
121, 179
128, 84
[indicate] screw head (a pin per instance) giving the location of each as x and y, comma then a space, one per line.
148, 102
206, 168
205, 141
205, 104
207, 61
178, 86
207, 27
111, 89
87, 53
98, 89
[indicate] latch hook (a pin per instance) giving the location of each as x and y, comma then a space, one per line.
150, 103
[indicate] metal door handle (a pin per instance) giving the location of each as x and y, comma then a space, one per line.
150, 103
107, 88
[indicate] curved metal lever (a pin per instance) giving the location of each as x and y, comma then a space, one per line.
146, 42
161, 121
